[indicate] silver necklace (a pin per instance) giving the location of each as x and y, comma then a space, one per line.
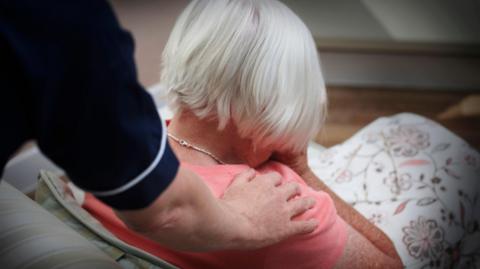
184, 143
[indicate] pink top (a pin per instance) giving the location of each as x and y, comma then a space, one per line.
319, 249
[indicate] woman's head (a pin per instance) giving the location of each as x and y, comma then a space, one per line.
252, 63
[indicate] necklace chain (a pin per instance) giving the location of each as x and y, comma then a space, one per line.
184, 143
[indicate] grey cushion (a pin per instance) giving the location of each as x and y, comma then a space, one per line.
31, 237
58, 198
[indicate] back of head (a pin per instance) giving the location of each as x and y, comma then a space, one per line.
250, 61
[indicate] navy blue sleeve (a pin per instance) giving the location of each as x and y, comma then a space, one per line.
71, 84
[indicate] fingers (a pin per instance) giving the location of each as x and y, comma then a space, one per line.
299, 206
290, 190
244, 176
273, 177
269, 179
304, 226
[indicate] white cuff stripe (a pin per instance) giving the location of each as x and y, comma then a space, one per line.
144, 174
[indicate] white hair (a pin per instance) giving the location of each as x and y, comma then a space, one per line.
250, 61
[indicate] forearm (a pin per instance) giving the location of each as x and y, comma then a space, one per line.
360, 252
253, 212
355, 219
187, 217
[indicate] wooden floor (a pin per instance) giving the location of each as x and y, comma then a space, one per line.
350, 109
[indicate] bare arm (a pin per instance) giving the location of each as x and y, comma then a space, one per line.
298, 162
355, 219
253, 213
361, 253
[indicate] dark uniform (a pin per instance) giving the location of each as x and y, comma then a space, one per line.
68, 80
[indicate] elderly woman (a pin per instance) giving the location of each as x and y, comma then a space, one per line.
244, 80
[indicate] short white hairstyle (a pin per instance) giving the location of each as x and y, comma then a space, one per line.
250, 61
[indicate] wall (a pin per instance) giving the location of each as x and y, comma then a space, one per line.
150, 22
386, 22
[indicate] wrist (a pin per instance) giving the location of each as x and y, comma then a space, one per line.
238, 233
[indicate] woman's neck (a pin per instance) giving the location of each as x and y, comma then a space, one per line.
205, 135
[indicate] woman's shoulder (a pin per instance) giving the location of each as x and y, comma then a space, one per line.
285, 171
234, 169
216, 168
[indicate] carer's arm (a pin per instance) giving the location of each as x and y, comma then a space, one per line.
72, 68
187, 217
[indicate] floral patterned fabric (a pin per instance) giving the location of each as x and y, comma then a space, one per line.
416, 181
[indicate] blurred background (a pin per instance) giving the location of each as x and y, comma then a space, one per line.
379, 57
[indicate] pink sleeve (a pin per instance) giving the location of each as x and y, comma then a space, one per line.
320, 249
